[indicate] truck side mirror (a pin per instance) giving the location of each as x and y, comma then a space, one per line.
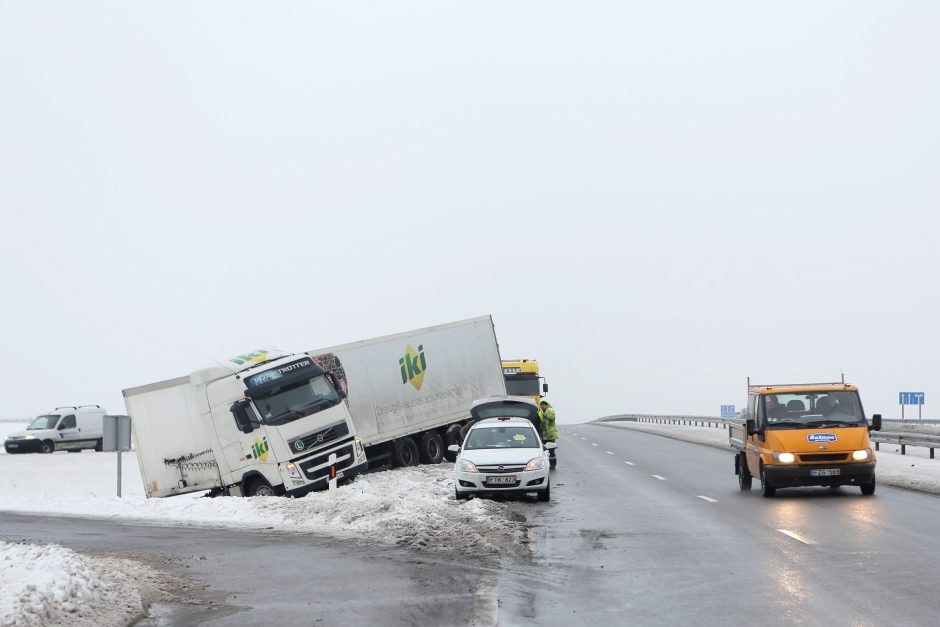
544, 388
751, 427
242, 420
875, 423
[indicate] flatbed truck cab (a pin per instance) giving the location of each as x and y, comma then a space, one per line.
805, 435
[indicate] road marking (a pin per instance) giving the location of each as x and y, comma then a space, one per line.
628, 463
594, 444
795, 536
584, 438
608, 452
658, 477
705, 498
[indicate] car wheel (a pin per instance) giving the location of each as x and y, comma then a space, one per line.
459, 496
868, 488
260, 487
406, 452
47, 446
432, 448
765, 489
99, 445
744, 474
546, 494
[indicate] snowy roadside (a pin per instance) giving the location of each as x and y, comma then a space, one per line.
411, 508
913, 471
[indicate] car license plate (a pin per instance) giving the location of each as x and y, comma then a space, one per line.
501, 479
825, 472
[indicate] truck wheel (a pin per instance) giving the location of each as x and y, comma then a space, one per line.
546, 494
451, 436
744, 474
99, 445
765, 488
868, 488
432, 447
260, 487
406, 452
47, 446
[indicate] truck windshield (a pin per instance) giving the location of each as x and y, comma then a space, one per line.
299, 400
43, 422
522, 386
810, 410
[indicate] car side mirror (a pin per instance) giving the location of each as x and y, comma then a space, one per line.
550, 445
751, 427
875, 423
454, 448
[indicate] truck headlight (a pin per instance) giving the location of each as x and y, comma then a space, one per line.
784, 458
861, 456
536, 464
293, 471
465, 465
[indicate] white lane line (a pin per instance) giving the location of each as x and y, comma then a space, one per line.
628, 463
658, 477
705, 498
608, 452
795, 536
594, 444
584, 438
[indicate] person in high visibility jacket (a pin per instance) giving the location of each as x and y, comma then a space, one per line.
549, 430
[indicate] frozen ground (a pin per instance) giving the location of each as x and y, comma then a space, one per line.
50, 585
413, 507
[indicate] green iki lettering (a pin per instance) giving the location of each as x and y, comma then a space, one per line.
241, 359
412, 365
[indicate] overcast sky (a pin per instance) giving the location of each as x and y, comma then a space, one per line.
656, 200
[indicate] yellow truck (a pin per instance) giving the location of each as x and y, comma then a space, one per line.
522, 378
813, 434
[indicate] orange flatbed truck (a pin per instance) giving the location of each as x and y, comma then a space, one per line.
813, 434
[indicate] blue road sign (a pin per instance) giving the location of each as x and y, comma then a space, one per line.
727, 411
910, 398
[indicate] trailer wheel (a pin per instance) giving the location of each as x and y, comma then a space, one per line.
744, 474
260, 487
47, 446
406, 452
451, 437
432, 447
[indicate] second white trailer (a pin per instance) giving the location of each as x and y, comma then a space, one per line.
410, 393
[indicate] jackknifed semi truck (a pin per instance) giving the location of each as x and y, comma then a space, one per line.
260, 424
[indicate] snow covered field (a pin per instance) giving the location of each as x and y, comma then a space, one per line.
414, 507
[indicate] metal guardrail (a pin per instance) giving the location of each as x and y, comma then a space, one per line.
736, 429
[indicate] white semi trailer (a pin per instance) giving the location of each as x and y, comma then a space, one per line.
261, 424
410, 393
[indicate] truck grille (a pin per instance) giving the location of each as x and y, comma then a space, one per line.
824, 457
318, 467
315, 439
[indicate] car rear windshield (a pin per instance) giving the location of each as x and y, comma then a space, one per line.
502, 437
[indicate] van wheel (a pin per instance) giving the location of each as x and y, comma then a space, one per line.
744, 474
406, 452
868, 488
432, 447
260, 487
99, 445
47, 446
765, 488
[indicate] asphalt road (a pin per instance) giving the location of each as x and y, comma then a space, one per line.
641, 529
649, 530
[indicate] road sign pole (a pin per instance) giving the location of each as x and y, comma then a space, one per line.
119, 474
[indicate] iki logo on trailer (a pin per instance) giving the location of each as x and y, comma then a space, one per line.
413, 366
259, 450
256, 358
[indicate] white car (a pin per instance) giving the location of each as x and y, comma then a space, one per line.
502, 455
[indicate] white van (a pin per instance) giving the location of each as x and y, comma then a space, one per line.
71, 428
